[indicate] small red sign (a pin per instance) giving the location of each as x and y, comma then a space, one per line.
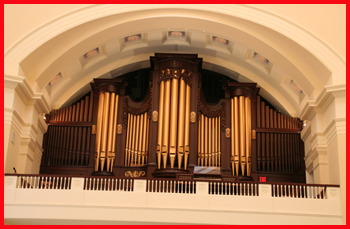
262, 179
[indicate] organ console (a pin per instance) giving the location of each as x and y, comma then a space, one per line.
173, 128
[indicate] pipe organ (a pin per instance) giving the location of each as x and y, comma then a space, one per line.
174, 118
173, 128
241, 135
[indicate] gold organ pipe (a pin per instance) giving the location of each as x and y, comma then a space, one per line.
99, 129
242, 134
104, 130
110, 129
232, 137
215, 152
202, 139
219, 142
132, 138
136, 146
144, 137
165, 141
114, 132
236, 136
181, 125
140, 140
248, 134
127, 141
160, 123
187, 125
199, 142
173, 120
209, 141
147, 134
205, 140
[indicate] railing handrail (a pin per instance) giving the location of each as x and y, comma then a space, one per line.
169, 179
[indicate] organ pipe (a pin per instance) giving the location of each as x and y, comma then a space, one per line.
187, 125
173, 121
160, 123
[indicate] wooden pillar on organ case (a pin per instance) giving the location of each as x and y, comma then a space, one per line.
226, 140
193, 122
121, 132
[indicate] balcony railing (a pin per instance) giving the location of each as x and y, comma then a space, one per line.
289, 202
156, 185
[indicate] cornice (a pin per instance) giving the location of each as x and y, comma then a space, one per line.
323, 100
26, 93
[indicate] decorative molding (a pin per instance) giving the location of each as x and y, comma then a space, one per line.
155, 116
136, 110
119, 129
310, 167
322, 101
176, 73
14, 119
25, 92
228, 132
201, 109
135, 173
193, 117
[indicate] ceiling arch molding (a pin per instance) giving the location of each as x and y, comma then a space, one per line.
294, 51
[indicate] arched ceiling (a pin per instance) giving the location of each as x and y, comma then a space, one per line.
241, 42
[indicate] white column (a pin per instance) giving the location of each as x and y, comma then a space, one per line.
24, 126
325, 139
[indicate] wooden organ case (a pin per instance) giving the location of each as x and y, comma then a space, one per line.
173, 129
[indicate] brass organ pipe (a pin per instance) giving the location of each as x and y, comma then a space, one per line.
236, 135
110, 129
242, 134
114, 135
212, 142
173, 120
202, 139
215, 143
248, 133
165, 140
205, 140
219, 142
217, 134
209, 141
187, 124
132, 143
147, 133
140, 140
144, 137
99, 129
160, 123
137, 135
180, 145
199, 142
104, 130
127, 149
232, 137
